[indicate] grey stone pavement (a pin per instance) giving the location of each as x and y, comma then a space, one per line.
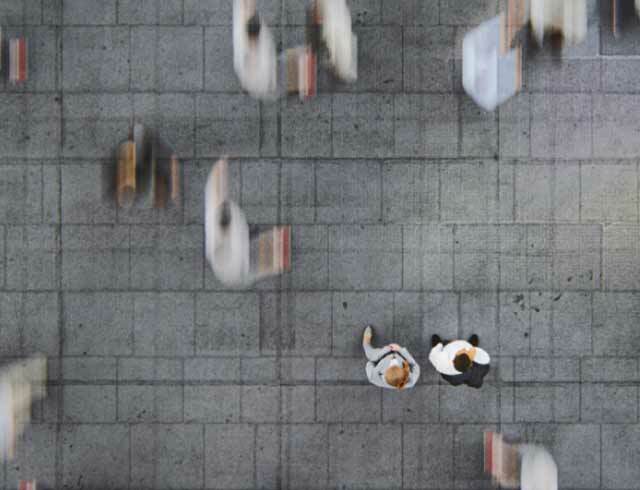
411, 209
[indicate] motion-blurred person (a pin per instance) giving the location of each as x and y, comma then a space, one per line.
491, 70
565, 17
254, 51
460, 361
342, 44
513, 465
237, 260
390, 366
20, 384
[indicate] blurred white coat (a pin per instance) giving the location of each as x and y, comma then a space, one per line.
538, 470
338, 37
566, 16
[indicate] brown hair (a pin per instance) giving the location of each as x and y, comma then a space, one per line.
397, 376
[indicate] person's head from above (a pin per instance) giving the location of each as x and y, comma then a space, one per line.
225, 215
253, 27
462, 362
397, 374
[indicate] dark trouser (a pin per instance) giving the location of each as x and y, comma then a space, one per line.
473, 377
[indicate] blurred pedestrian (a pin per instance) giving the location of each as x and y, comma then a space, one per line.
335, 21
567, 18
390, 366
460, 361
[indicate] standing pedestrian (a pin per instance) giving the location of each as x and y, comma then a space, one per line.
390, 366
460, 361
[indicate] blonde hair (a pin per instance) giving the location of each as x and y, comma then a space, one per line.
397, 376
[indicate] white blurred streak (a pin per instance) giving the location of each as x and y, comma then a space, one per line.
255, 61
538, 469
341, 42
567, 17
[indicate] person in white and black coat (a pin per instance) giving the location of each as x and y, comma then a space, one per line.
460, 361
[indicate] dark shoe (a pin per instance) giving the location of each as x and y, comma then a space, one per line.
474, 340
435, 340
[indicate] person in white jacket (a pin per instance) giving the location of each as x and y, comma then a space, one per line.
254, 51
391, 366
341, 42
460, 361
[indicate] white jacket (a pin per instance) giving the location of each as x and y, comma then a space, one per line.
442, 356
340, 40
538, 470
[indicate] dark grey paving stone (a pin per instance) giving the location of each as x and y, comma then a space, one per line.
559, 76
305, 456
21, 12
479, 131
138, 404
264, 370
379, 59
613, 320
347, 466
547, 403
515, 127
93, 404
427, 257
28, 191
260, 404
260, 191
417, 405
608, 403
467, 13
344, 404
467, 455
619, 451
84, 444
479, 316
298, 194
428, 456
31, 257
608, 193
89, 369
95, 12
476, 257
219, 73
614, 124
233, 468
428, 63
135, 369
35, 454
95, 58
619, 257
608, 369
212, 404
306, 127
619, 75
149, 12
29, 324
87, 193
545, 369
410, 192
469, 405
410, 13
167, 455
298, 404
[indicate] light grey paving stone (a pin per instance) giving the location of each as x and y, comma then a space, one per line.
541, 323
51, 12
95, 58
418, 316
32, 127
379, 59
362, 126
609, 403
365, 12
478, 130
260, 191
227, 324
164, 324
29, 324
544, 369
219, 73
42, 61
468, 462
170, 456
89, 369
619, 257
309, 257
577, 257
426, 125
342, 370
297, 370
98, 324
428, 456
476, 251
234, 467
365, 257
305, 456
222, 369
467, 13
428, 53
416, 405
410, 13
479, 316
348, 192
575, 469
354, 311
306, 127
464, 404
84, 444
35, 454
212, 404
618, 75
344, 404
547, 192
614, 317
383, 466
150, 404
268, 455
31, 254
609, 192
158, 60
94, 125
614, 124
219, 12
149, 12
514, 323
22, 198
95, 12
227, 124
195, 176
260, 404
87, 193
560, 76
572, 323
297, 193
547, 403
296, 323
263, 370
132, 369
619, 453
21, 12
95, 257
164, 257
507, 404
427, 257
606, 369
410, 192
90, 404
531, 268
298, 404
171, 119
470, 192
515, 126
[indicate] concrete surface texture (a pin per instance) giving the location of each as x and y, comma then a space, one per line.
412, 210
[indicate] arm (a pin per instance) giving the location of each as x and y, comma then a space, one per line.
374, 354
481, 357
373, 376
